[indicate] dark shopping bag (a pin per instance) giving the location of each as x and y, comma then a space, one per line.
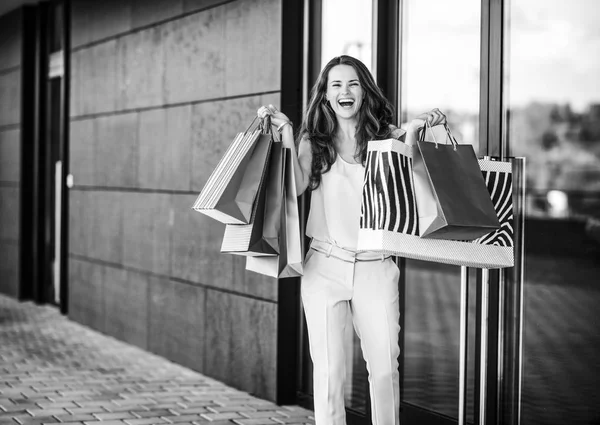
231, 191
452, 199
260, 237
389, 219
289, 262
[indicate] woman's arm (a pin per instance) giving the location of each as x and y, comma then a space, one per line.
302, 159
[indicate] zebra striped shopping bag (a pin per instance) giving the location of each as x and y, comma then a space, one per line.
389, 217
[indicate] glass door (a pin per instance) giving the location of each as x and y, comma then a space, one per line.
553, 118
440, 56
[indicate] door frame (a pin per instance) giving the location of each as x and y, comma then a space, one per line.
35, 265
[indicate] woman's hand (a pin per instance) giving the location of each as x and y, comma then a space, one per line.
433, 117
280, 121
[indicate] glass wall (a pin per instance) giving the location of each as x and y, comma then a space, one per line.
553, 99
441, 69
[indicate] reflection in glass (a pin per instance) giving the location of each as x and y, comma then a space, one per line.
441, 63
441, 69
553, 99
347, 30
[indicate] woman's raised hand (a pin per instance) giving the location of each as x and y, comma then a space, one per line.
278, 119
433, 117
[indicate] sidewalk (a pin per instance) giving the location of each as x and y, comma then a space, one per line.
54, 370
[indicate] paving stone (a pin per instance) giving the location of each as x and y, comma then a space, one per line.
259, 421
152, 412
113, 422
183, 418
217, 416
65, 373
75, 418
37, 420
145, 421
112, 416
46, 412
262, 414
86, 410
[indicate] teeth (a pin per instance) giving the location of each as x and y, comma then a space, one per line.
346, 102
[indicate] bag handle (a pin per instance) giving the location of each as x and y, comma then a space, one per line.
251, 124
449, 135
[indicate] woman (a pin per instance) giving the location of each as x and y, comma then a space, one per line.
345, 111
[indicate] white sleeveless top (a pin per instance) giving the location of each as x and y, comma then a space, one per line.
334, 215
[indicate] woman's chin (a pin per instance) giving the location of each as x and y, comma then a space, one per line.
345, 114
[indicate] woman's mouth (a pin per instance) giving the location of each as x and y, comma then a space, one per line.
346, 103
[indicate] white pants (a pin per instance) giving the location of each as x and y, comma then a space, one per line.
331, 289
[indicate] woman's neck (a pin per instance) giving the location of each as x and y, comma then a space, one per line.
346, 134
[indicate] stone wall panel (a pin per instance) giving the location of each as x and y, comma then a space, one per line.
10, 155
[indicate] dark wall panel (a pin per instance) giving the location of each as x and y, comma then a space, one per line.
158, 91
86, 293
10, 150
93, 20
126, 307
240, 333
9, 272
177, 322
10, 98
9, 213
10, 40
146, 12
164, 150
10, 155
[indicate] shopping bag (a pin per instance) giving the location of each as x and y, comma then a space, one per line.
289, 262
231, 191
388, 198
452, 200
387, 213
260, 237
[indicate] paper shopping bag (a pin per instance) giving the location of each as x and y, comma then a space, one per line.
387, 213
260, 237
452, 199
231, 191
388, 198
289, 262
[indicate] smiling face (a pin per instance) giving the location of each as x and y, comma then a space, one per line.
344, 91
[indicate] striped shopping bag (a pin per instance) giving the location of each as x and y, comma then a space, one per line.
389, 216
231, 191
261, 236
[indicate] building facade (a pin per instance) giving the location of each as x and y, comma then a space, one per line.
113, 114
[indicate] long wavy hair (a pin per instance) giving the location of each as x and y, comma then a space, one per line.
320, 123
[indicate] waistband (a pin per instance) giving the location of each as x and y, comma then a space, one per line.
347, 255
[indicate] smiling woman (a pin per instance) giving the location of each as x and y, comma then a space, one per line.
345, 111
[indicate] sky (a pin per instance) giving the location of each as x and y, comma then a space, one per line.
553, 54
